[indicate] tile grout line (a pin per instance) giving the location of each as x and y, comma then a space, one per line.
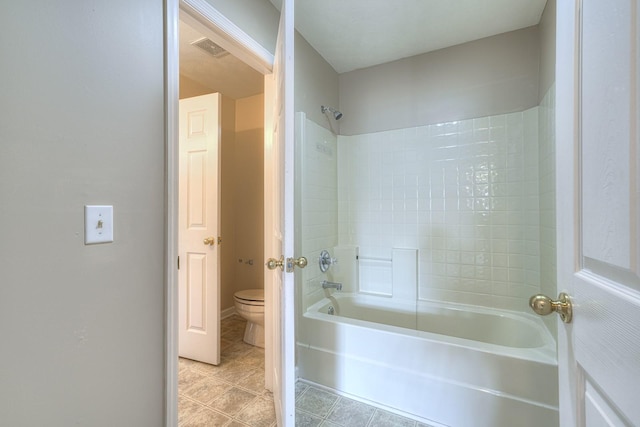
233, 337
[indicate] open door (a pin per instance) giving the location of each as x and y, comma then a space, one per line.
279, 205
598, 211
199, 225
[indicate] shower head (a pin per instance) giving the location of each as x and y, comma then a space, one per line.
336, 114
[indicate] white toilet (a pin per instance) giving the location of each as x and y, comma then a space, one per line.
250, 306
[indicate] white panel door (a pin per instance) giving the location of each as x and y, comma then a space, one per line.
199, 225
279, 203
598, 211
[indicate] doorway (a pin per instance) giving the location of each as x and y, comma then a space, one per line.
207, 68
211, 69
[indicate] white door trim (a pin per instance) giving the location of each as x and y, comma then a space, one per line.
566, 208
238, 43
217, 27
171, 88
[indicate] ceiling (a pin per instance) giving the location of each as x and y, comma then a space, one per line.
227, 74
354, 34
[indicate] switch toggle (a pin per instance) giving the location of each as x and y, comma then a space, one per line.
98, 224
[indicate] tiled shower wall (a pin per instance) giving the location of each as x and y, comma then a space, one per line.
318, 211
465, 194
547, 168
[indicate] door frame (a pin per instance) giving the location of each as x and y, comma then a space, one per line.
229, 36
567, 80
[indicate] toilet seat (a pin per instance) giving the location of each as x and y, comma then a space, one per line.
250, 296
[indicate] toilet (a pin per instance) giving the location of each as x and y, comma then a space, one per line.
250, 306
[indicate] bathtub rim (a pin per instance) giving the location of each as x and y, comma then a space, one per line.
546, 354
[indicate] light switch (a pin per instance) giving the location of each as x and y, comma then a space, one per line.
98, 224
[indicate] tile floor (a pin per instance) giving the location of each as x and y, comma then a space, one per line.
232, 394
321, 408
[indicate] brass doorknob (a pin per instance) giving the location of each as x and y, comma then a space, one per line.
273, 263
543, 305
209, 241
299, 262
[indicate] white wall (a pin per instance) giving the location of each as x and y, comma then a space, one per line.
547, 154
386, 178
547, 173
82, 122
465, 194
318, 208
491, 76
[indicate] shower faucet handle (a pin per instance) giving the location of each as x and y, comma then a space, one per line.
325, 261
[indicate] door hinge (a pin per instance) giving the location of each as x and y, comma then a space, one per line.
178, 263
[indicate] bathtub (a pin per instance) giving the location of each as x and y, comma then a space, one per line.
455, 365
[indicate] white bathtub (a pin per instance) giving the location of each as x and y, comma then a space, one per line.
462, 365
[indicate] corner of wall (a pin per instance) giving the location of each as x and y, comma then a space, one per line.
227, 214
547, 34
248, 193
316, 84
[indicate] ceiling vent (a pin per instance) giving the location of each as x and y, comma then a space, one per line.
210, 47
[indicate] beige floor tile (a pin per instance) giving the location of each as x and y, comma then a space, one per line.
231, 394
205, 417
254, 357
207, 389
188, 376
186, 408
254, 381
232, 371
260, 414
236, 350
233, 401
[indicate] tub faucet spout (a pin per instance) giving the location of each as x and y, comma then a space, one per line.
327, 285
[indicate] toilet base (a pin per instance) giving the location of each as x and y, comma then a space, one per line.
254, 334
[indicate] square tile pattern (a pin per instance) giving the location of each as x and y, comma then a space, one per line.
466, 194
232, 394
321, 408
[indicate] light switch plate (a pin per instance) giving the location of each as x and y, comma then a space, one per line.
98, 224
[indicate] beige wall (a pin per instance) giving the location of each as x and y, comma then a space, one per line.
82, 122
227, 203
491, 76
316, 84
547, 49
241, 197
258, 18
249, 193
190, 88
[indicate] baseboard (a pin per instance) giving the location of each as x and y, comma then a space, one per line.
227, 312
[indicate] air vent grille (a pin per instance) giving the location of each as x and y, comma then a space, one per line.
210, 47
